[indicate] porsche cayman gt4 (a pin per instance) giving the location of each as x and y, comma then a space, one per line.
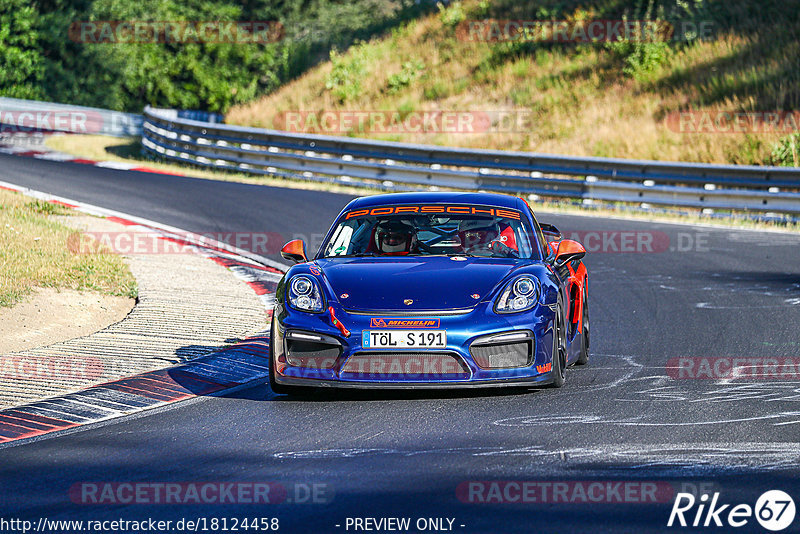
436, 290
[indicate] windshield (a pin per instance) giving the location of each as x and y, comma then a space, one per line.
369, 233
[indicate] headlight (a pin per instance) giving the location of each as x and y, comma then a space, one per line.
304, 294
519, 295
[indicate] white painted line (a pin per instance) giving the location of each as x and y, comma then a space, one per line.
116, 165
55, 156
16, 149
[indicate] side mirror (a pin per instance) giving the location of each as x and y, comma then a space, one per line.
550, 232
567, 251
295, 251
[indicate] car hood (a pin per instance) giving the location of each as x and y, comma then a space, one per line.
431, 283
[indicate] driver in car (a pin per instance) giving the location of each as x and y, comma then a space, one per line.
484, 237
395, 238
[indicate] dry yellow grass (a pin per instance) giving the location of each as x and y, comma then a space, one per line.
581, 103
34, 252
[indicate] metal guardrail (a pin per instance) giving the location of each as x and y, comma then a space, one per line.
397, 166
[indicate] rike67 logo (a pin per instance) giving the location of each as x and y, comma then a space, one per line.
774, 510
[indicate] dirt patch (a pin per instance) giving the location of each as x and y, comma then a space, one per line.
50, 316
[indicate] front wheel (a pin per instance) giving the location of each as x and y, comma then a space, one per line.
559, 359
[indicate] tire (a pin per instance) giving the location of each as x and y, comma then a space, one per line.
583, 357
280, 389
559, 359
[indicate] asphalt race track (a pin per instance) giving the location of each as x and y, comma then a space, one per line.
625, 418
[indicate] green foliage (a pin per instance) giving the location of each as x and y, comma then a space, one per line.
406, 108
40, 59
452, 15
409, 71
21, 63
483, 9
436, 91
44, 208
640, 59
786, 152
344, 80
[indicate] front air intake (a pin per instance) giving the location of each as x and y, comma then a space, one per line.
409, 366
504, 356
312, 351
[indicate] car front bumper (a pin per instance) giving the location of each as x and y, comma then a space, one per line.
309, 350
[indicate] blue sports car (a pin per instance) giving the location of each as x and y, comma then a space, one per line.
431, 290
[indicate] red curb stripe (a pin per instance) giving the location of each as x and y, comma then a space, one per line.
59, 203
6, 425
120, 220
220, 261
41, 419
150, 386
156, 171
227, 262
9, 433
12, 432
140, 392
30, 425
17, 431
32, 433
84, 161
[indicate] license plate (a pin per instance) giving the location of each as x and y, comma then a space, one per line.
404, 339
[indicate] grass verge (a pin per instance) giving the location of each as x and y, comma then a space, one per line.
34, 253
